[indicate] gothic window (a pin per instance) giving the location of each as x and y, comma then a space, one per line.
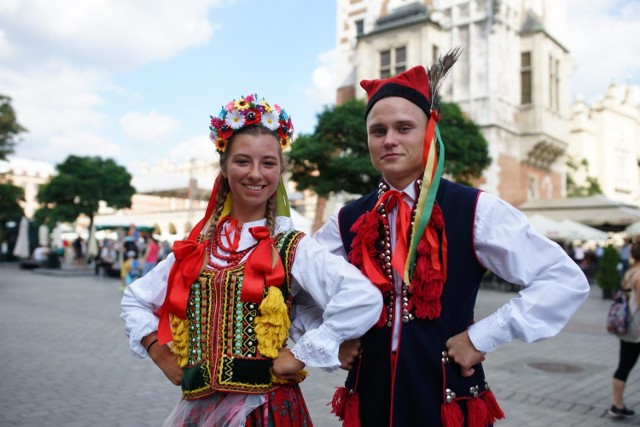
554, 83
393, 61
533, 192
359, 27
525, 78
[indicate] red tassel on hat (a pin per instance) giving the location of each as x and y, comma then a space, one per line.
451, 415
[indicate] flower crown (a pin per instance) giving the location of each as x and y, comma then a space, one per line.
246, 111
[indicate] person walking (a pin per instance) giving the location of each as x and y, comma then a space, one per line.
151, 252
226, 296
629, 342
426, 243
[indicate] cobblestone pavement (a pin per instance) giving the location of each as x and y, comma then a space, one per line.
66, 362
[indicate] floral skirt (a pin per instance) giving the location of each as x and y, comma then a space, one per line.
282, 407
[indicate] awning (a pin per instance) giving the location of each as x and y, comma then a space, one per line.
565, 230
596, 211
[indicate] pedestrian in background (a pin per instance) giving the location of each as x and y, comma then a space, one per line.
131, 269
151, 252
625, 255
630, 342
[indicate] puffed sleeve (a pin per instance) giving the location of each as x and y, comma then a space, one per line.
140, 300
554, 285
350, 305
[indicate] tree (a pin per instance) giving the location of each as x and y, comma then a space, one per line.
10, 209
608, 276
9, 127
466, 149
336, 156
591, 185
79, 186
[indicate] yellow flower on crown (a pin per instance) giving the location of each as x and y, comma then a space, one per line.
241, 104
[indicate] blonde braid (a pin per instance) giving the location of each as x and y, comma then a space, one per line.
271, 214
221, 198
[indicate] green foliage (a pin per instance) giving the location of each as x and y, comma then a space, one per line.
9, 127
10, 209
335, 156
590, 188
80, 185
466, 149
608, 277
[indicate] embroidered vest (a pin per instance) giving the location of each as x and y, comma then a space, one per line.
222, 349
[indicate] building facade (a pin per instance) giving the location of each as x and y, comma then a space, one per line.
606, 135
29, 175
512, 78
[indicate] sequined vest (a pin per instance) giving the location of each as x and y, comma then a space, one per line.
222, 348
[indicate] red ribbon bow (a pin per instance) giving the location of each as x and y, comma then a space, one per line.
189, 260
391, 199
263, 268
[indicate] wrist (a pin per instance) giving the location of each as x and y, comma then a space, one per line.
151, 344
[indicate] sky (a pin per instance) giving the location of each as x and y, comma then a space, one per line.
137, 80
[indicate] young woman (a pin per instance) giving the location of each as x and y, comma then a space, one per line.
629, 343
226, 296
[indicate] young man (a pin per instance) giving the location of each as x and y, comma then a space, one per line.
426, 243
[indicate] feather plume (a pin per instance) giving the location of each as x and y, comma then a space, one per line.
438, 72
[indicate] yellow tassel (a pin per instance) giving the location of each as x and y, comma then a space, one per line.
302, 374
180, 343
272, 325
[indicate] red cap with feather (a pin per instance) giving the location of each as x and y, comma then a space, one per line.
413, 85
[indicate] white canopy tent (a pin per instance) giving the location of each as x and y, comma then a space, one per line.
580, 231
21, 249
565, 230
633, 229
548, 227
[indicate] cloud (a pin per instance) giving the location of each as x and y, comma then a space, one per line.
601, 37
59, 147
57, 62
148, 127
198, 147
113, 34
324, 84
55, 103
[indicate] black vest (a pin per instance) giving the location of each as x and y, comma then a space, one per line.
414, 394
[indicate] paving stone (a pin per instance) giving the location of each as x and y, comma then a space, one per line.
66, 362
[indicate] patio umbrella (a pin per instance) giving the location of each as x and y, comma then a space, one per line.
43, 235
21, 249
633, 229
92, 245
580, 231
547, 227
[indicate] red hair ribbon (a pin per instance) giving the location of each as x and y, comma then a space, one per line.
186, 269
260, 270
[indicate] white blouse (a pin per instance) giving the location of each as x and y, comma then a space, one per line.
554, 285
348, 303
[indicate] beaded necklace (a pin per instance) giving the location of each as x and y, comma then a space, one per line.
234, 256
385, 256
